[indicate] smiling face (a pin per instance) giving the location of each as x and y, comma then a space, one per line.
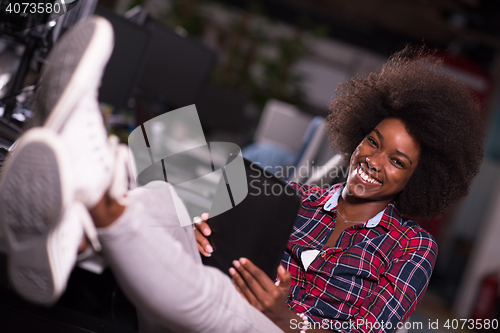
383, 162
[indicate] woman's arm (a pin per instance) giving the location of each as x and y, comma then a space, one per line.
260, 291
399, 291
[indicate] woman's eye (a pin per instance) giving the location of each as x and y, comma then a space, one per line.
399, 163
372, 142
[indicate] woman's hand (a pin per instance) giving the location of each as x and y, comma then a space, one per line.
201, 232
261, 291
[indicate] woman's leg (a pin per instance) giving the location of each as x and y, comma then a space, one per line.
157, 264
69, 162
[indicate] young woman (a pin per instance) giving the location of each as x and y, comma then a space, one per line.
414, 145
355, 262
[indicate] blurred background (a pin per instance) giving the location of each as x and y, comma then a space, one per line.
261, 73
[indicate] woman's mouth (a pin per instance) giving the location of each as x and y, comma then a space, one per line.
366, 177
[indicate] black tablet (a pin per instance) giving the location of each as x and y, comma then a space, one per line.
259, 227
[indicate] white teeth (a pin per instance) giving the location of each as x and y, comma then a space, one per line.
366, 177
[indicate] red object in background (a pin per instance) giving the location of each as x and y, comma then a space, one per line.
432, 225
467, 71
485, 304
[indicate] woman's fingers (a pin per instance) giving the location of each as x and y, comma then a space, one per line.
204, 246
260, 290
233, 272
261, 286
256, 275
284, 279
202, 226
243, 289
201, 232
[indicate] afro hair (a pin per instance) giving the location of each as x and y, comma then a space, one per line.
437, 110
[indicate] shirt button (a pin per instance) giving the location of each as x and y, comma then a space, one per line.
323, 254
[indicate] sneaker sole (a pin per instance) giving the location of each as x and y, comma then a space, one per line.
33, 197
88, 41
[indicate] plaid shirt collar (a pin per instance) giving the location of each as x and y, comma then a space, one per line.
389, 218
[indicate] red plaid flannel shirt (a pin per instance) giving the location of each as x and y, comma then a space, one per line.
373, 278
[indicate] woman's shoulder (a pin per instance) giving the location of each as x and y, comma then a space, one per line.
417, 237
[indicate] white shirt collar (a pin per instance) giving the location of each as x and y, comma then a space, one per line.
334, 200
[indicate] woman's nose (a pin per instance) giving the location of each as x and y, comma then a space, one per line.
373, 162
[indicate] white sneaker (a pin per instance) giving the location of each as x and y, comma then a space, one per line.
38, 217
124, 169
67, 104
57, 169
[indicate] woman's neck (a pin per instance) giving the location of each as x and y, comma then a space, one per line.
356, 209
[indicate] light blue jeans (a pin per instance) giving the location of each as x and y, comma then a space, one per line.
157, 265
